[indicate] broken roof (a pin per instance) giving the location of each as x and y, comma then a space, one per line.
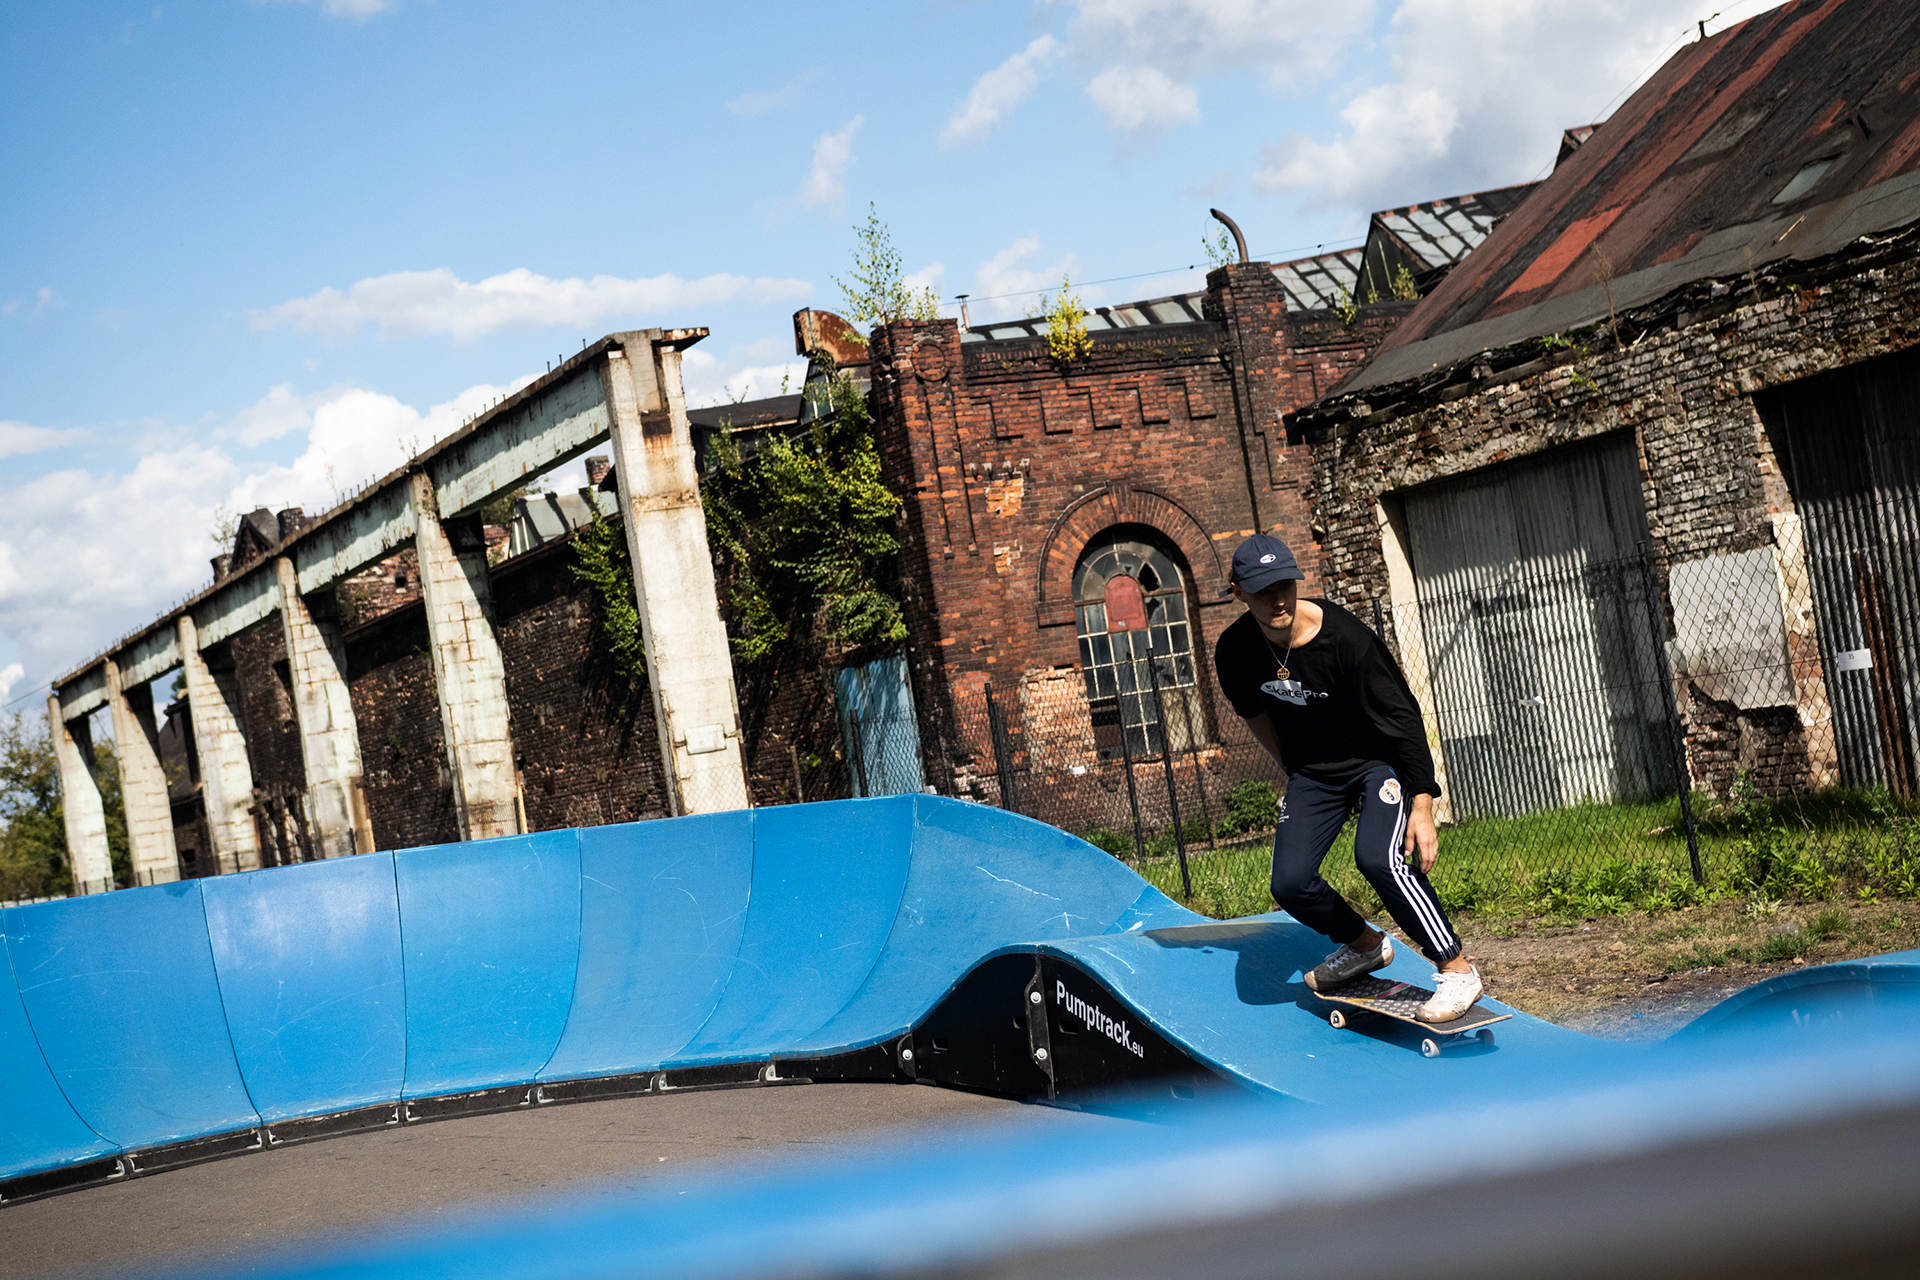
1428, 239
1789, 135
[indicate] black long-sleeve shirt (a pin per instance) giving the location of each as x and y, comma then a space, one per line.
1345, 708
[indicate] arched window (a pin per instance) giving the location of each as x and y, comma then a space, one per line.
1130, 601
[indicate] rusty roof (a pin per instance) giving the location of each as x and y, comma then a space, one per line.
1789, 135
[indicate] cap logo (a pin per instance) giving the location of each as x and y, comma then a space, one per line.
1267, 558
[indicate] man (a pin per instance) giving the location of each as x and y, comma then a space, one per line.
1324, 696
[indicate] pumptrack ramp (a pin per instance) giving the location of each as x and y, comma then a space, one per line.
912, 937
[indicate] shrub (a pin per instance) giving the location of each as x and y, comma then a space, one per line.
1113, 842
1251, 806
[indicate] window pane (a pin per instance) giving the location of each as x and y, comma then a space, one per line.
1176, 608
1105, 677
1102, 651
1183, 665
1086, 652
1182, 642
1096, 618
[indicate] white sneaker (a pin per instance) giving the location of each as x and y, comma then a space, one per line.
1453, 995
1346, 964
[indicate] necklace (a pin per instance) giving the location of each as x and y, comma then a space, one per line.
1281, 672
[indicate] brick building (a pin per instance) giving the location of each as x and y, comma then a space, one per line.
1637, 483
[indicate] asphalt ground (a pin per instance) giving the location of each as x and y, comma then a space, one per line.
248, 1209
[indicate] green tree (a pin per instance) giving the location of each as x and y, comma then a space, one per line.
34, 860
1066, 324
876, 291
802, 534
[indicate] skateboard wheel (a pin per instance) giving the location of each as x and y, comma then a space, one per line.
1484, 1035
1337, 1019
1429, 1048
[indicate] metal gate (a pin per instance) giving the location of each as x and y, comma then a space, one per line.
1852, 457
1538, 637
879, 727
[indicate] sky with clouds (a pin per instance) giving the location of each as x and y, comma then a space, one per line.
259, 251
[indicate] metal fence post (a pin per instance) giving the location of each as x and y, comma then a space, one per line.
1133, 798
857, 755
1199, 775
1684, 778
1166, 764
1002, 757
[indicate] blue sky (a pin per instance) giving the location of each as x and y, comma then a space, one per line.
256, 252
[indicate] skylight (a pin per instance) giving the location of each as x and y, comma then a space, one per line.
1803, 181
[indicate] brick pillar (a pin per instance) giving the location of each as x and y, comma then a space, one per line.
689, 665
468, 674
226, 776
329, 739
143, 783
1247, 298
81, 812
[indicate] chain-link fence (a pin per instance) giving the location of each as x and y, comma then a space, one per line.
1609, 733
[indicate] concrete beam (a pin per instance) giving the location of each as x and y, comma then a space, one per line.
468, 672
84, 817
329, 738
226, 776
689, 665
143, 783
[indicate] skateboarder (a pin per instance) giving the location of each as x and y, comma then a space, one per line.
1324, 696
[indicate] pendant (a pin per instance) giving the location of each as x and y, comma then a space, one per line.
1281, 674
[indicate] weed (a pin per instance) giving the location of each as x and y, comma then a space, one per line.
1829, 922
1786, 945
1112, 842
1702, 956
1251, 806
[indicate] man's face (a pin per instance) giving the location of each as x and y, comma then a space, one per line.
1273, 606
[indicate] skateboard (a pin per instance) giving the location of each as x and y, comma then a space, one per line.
1399, 1001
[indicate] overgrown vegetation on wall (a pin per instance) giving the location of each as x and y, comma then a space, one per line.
876, 290
802, 535
601, 560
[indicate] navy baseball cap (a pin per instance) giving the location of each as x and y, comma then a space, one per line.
1261, 561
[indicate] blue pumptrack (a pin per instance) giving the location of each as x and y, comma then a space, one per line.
157, 1025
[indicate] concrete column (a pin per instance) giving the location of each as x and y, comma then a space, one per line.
226, 777
329, 739
80, 808
689, 665
468, 672
143, 783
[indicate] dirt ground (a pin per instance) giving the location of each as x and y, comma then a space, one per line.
1641, 977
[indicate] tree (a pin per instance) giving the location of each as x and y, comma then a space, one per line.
802, 534
877, 292
34, 861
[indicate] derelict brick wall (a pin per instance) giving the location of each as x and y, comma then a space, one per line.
585, 740
266, 710
1009, 462
1711, 484
403, 750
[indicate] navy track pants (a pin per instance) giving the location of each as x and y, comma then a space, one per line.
1311, 815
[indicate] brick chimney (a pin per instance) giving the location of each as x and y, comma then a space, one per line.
222, 566
597, 468
292, 521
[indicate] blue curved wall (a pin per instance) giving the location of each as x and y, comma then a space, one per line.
155, 1016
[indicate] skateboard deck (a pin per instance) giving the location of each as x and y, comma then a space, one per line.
1401, 1001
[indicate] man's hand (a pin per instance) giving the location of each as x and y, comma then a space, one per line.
1423, 842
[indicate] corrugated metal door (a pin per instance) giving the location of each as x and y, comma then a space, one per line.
1538, 637
878, 725
1852, 459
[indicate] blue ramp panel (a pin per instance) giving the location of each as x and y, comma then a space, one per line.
981, 880
121, 993
663, 906
491, 932
309, 969
827, 882
1853, 996
38, 1130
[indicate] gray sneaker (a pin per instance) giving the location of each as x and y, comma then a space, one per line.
1346, 964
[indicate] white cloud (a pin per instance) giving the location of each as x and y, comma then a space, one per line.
1006, 285
9, 677
711, 380
826, 183
18, 437
42, 299
932, 277
753, 104
998, 92
87, 555
1479, 92
355, 10
1291, 42
1143, 97
421, 302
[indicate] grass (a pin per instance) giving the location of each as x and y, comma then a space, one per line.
1590, 861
